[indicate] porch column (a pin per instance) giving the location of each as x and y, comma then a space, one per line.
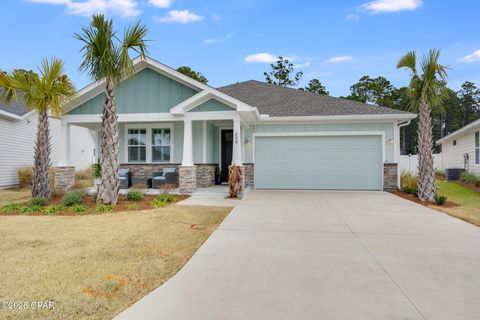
187, 173
237, 157
187, 144
64, 158
65, 171
237, 143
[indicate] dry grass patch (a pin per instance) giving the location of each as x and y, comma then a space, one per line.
14, 195
93, 267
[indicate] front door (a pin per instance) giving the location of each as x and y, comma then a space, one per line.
227, 148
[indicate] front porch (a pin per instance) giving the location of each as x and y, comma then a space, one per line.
195, 149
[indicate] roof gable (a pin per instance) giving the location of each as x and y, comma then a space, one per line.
212, 105
146, 92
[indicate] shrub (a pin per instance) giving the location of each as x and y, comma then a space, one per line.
25, 176
31, 208
440, 200
410, 190
408, 181
162, 200
11, 207
39, 201
470, 178
79, 208
73, 197
54, 209
135, 195
97, 169
104, 208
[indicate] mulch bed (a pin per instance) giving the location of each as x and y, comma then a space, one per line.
411, 197
122, 205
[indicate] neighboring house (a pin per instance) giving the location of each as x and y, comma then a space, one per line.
460, 149
284, 138
18, 128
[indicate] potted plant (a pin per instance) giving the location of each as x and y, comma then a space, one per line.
97, 174
218, 176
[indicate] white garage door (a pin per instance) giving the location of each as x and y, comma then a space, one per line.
318, 162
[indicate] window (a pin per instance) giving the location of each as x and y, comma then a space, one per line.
454, 142
160, 145
477, 147
137, 145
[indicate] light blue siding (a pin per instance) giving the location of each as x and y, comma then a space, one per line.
147, 92
212, 105
319, 162
386, 127
178, 141
197, 130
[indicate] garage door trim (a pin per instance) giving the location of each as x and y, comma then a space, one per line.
329, 133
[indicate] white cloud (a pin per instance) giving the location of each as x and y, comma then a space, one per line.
180, 16
339, 59
217, 40
302, 65
216, 17
124, 8
381, 6
352, 17
161, 3
261, 57
471, 57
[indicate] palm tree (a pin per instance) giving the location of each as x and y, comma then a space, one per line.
425, 91
46, 93
105, 56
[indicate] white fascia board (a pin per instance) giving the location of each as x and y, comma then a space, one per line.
12, 116
464, 129
154, 117
338, 118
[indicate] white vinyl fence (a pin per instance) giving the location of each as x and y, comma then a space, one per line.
409, 163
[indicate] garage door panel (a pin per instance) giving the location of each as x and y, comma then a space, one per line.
318, 162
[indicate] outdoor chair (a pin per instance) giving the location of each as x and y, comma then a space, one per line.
166, 176
125, 177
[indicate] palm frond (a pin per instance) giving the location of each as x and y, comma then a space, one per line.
409, 61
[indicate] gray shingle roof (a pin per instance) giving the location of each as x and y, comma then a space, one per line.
279, 101
16, 108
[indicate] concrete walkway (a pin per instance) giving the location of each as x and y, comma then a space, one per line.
326, 255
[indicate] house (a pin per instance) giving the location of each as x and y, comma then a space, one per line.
18, 129
460, 149
282, 138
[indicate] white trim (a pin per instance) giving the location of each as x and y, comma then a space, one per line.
148, 145
204, 141
155, 117
331, 134
339, 118
460, 131
13, 116
196, 100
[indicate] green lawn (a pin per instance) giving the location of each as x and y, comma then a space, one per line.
468, 201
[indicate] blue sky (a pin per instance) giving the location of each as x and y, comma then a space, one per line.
234, 40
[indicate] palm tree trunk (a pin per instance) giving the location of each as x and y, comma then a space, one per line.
40, 180
109, 185
426, 174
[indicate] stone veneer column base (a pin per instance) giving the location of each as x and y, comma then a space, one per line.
64, 178
187, 179
390, 176
249, 175
205, 175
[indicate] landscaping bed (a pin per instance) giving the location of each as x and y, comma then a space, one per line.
461, 198
56, 205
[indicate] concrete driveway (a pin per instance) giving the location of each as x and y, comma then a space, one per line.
326, 255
